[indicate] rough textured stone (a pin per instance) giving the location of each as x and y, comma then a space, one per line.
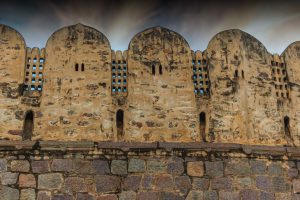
195, 169
27, 180
107, 197
200, 183
266, 196
136, 165
8, 193
175, 166
293, 173
214, 169
3, 165
127, 195
19, 166
147, 181
221, 183
237, 168
224, 195
183, 184
148, 195
62, 165
163, 182
75, 184
264, 183
40, 166
243, 183
156, 166
8, 178
195, 194
61, 197
296, 185
50, 181
85, 196
131, 182
275, 169
280, 185
27, 194
105, 183
258, 166
119, 167
43, 195
249, 194
101, 167
285, 196
170, 196
210, 195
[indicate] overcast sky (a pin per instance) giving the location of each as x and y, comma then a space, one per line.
275, 23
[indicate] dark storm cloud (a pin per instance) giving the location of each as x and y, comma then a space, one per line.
275, 23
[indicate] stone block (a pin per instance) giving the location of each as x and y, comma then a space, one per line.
237, 168
131, 182
127, 195
163, 182
258, 166
106, 183
243, 183
283, 196
280, 185
85, 196
50, 181
147, 181
82, 167
19, 166
183, 184
214, 169
8, 178
9, 193
266, 196
148, 195
43, 195
100, 167
292, 173
27, 180
75, 184
264, 183
171, 196
107, 197
226, 195
296, 186
195, 195
223, 183
175, 166
195, 169
200, 183
27, 194
3, 165
119, 167
62, 165
249, 194
136, 165
275, 169
62, 197
210, 195
40, 166
156, 166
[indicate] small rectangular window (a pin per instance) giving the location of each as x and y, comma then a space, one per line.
114, 89
40, 74
41, 67
32, 88
33, 67
34, 60
33, 80
33, 74
40, 80
125, 89
28, 66
41, 60
199, 62
201, 83
29, 60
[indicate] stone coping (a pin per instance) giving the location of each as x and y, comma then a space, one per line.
75, 146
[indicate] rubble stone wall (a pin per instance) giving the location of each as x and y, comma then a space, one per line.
133, 171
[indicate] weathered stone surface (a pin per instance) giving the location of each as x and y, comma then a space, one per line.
266, 196
131, 182
50, 181
195, 169
275, 169
119, 167
279, 184
136, 165
214, 169
75, 184
43, 195
293, 173
148, 195
285, 196
27, 180
127, 195
224, 195
249, 194
195, 194
27, 194
105, 183
200, 183
19, 166
183, 184
40, 166
156, 166
238, 167
258, 166
210, 195
8, 178
147, 181
163, 182
62, 197
62, 165
107, 197
221, 183
171, 196
8, 193
3, 165
244, 182
264, 183
85, 196
296, 185
175, 166
101, 167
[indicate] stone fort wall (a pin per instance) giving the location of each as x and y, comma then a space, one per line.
78, 88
